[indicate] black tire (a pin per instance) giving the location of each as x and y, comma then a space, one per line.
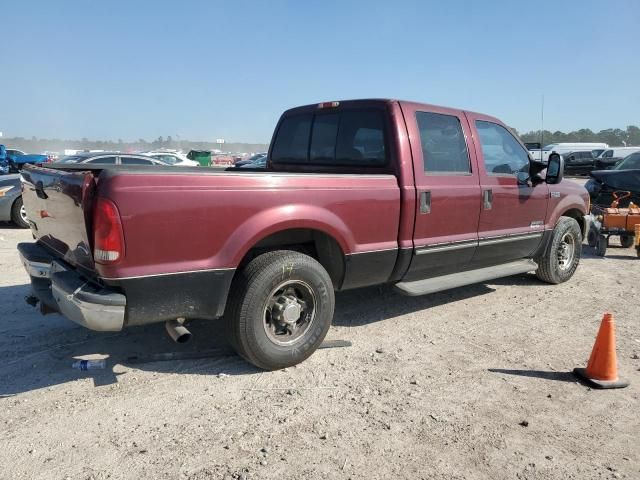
601, 245
252, 327
555, 265
17, 214
592, 236
627, 240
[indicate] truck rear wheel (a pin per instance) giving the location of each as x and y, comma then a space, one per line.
560, 259
280, 309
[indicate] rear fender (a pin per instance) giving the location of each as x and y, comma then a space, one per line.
274, 220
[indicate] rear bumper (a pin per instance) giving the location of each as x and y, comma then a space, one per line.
64, 290
124, 302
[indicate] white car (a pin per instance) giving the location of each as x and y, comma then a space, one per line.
174, 158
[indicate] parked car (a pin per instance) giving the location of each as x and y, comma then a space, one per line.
251, 159
625, 176
578, 163
565, 147
11, 207
357, 193
611, 156
172, 158
259, 163
18, 159
630, 162
112, 158
52, 156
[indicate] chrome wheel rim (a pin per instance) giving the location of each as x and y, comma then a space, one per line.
289, 312
566, 251
23, 214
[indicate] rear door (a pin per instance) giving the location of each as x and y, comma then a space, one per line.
512, 219
448, 191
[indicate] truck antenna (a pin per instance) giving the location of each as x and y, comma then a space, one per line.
542, 126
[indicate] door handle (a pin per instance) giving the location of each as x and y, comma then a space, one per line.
487, 199
425, 202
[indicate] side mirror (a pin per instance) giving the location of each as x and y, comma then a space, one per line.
555, 169
523, 178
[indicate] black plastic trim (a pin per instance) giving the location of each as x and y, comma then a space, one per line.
369, 268
153, 299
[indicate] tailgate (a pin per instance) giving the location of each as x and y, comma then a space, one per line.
58, 205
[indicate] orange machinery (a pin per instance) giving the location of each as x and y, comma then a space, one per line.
608, 221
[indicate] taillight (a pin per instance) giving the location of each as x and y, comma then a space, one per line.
108, 245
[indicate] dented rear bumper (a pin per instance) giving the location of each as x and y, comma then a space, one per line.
62, 289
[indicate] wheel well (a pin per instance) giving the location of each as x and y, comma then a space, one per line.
319, 245
578, 217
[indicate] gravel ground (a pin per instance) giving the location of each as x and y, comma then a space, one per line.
472, 383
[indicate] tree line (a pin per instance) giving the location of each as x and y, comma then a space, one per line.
38, 145
614, 137
611, 136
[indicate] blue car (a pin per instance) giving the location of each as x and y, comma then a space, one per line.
17, 159
4, 162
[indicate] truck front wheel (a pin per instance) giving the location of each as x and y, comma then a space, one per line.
560, 259
280, 309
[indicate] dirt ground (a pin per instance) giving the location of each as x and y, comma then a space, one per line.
472, 383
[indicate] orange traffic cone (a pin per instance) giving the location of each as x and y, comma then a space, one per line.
602, 369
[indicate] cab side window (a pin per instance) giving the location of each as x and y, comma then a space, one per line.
502, 153
444, 149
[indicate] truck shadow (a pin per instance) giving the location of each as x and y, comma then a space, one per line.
37, 351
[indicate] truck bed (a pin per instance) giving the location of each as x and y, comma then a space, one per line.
198, 221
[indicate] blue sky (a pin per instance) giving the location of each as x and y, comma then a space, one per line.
211, 69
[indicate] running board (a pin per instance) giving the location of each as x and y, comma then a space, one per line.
445, 282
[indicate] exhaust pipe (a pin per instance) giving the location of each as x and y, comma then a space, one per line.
177, 331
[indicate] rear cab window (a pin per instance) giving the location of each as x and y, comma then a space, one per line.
350, 138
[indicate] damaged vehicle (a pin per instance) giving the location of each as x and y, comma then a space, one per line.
354, 194
625, 177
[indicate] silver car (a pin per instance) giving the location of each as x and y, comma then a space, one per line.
11, 208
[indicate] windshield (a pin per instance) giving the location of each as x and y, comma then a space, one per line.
632, 162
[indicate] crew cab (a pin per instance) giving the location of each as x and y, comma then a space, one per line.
355, 193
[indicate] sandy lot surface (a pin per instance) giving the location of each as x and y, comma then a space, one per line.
472, 383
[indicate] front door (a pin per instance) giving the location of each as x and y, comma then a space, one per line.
513, 211
448, 191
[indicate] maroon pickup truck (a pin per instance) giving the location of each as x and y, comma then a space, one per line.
355, 193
